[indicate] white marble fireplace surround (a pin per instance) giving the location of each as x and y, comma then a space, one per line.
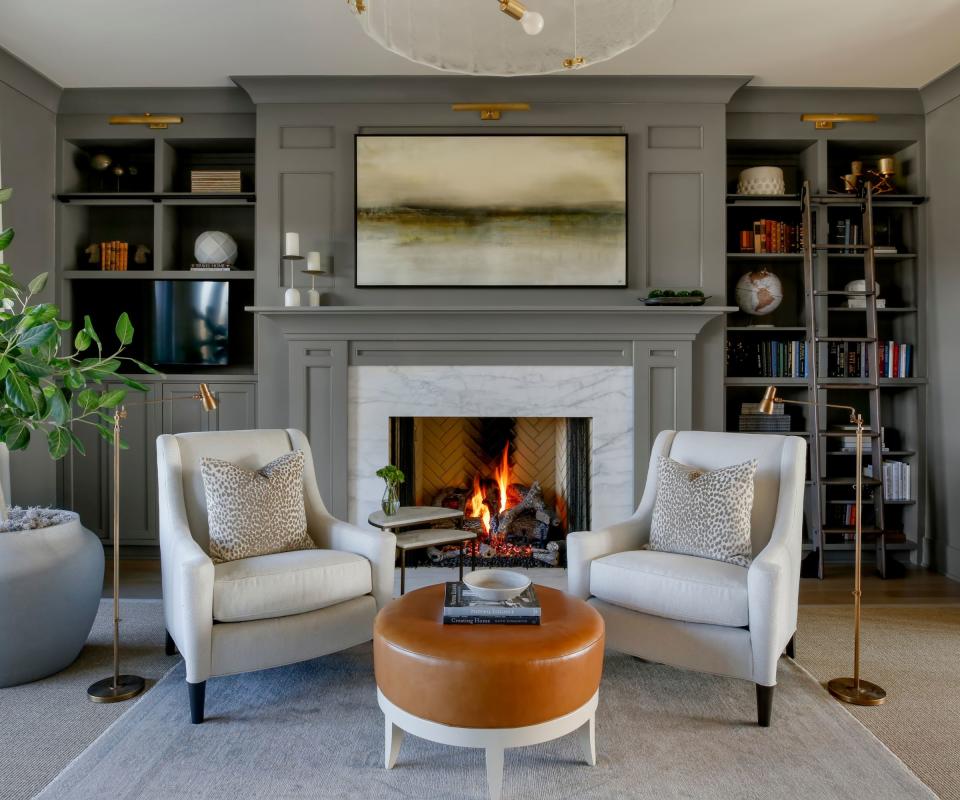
603, 394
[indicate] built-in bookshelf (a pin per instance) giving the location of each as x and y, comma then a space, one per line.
775, 349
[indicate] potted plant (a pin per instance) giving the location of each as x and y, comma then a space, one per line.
392, 477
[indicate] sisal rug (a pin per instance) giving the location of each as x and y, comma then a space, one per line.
914, 653
314, 730
44, 725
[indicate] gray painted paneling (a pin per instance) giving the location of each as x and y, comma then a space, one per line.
675, 229
685, 137
307, 204
306, 137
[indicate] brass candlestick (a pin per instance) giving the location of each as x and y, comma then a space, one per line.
123, 687
855, 690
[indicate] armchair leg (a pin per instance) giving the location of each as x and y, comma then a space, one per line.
170, 646
792, 647
197, 692
764, 705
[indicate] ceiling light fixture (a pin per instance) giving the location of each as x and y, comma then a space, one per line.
468, 36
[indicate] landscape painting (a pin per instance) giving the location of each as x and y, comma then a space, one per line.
491, 210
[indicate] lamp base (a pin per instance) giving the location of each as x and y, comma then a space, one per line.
105, 692
868, 694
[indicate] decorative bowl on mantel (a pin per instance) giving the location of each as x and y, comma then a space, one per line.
686, 300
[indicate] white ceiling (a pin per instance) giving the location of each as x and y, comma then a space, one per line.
101, 43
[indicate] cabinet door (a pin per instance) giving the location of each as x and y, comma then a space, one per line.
236, 408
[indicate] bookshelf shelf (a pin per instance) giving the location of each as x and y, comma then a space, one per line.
160, 274
765, 256
133, 198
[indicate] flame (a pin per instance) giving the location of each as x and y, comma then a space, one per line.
502, 476
476, 507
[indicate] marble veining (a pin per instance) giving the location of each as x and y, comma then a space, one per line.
604, 394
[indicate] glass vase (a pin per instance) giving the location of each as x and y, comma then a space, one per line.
391, 500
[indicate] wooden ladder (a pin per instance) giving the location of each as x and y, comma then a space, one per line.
818, 345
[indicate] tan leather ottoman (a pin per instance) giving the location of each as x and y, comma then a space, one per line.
490, 686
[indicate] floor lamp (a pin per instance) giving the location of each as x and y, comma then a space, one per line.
853, 690
122, 687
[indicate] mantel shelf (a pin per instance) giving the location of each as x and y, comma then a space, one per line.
702, 311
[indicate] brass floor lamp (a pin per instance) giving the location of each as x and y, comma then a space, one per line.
122, 687
855, 690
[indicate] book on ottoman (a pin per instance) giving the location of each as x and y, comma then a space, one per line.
462, 607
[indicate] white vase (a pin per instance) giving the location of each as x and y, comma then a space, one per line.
291, 297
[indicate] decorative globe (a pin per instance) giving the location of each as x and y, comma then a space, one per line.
215, 247
759, 293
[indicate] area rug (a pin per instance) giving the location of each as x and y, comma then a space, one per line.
314, 730
44, 725
914, 653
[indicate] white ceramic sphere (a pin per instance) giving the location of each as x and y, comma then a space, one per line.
759, 293
215, 247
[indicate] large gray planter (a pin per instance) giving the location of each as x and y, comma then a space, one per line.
50, 585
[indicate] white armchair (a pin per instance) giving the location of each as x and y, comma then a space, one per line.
693, 612
267, 611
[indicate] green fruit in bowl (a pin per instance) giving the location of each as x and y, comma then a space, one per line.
654, 293
683, 293
668, 293
696, 293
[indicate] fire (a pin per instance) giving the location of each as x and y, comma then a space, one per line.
476, 506
502, 476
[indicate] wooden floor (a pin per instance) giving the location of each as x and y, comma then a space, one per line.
141, 579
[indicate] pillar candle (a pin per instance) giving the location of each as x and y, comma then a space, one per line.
291, 244
313, 260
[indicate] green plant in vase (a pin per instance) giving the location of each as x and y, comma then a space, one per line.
46, 385
392, 477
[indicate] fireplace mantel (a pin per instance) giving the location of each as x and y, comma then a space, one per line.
305, 356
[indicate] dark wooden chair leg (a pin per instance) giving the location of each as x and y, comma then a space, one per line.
170, 646
197, 692
792, 647
764, 705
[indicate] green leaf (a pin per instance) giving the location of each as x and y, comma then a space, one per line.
58, 443
19, 392
133, 384
88, 400
88, 327
17, 436
5, 238
124, 329
74, 379
105, 432
4, 367
5, 195
75, 441
33, 367
38, 284
82, 341
57, 408
146, 367
112, 399
38, 336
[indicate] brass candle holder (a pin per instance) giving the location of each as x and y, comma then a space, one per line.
854, 690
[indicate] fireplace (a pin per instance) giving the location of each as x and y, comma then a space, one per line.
521, 482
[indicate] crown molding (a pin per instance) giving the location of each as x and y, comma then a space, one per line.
23, 78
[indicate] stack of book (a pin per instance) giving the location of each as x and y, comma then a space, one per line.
848, 443
896, 360
896, 480
771, 236
113, 256
767, 359
462, 607
214, 181
849, 233
752, 420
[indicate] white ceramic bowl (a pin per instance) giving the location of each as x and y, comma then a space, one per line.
761, 180
496, 584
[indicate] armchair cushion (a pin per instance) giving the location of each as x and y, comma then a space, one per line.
282, 584
679, 587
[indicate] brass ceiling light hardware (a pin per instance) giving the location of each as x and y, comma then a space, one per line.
530, 21
825, 122
490, 111
573, 63
152, 121
358, 5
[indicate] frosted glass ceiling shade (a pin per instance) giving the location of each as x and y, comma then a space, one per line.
476, 38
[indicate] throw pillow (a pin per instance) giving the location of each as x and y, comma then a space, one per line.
255, 512
702, 513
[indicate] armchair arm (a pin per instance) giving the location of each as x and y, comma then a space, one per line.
186, 570
585, 546
773, 579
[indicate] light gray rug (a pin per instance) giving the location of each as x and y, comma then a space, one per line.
314, 730
44, 725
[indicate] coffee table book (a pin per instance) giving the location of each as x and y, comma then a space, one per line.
462, 607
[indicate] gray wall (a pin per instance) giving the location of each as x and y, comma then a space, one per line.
942, 103
28, 103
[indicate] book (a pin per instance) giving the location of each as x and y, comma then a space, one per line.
461, 606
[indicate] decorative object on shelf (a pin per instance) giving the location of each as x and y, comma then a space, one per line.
117, 687
759, 292
855, 690
860, 286
215, 247
825, 122
670, 297
316, 265
496, 584
214, 181
113, 256
100, 163
762, 181
883, 175
291, 253
152, 121
140, 254
392, 478
469, 36
467, 210
490, 111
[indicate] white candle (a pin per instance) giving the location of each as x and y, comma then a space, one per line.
313, 260
291, 244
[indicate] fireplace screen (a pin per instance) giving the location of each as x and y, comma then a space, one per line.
522, 482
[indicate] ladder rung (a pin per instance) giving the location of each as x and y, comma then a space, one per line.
854, 386
843, 293
868, 339
851, 529
849, 481
861, 247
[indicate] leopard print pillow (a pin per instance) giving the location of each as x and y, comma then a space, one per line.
703, 513
255, 513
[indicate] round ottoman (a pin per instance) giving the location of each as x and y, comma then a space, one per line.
50, 584
489, 686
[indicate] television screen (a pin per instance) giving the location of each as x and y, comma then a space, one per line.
191, 323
